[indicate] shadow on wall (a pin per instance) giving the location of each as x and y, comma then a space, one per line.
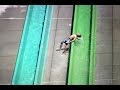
8, 8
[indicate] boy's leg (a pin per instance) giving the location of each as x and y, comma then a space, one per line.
65, 49
61, 45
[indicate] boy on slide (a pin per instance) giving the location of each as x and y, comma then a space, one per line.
69, 40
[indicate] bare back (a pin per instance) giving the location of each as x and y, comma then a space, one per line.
73, 37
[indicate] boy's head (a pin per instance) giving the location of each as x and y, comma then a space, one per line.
78, 35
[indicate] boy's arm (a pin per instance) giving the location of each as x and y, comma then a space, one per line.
73, 40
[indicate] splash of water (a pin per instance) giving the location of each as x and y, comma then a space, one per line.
81, 38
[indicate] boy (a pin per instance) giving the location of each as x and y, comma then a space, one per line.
69, 40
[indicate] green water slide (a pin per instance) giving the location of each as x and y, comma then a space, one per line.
32, 50
82, 53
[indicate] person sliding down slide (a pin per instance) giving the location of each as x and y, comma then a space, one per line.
69, 40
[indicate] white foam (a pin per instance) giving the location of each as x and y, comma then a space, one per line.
81, 38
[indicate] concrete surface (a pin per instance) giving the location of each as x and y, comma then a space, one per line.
104, 45
11, 24
116, 44
56, 62
108, 45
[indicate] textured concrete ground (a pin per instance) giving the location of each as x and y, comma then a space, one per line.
116, 45
104, 45
56, 63
108, 45
11, 24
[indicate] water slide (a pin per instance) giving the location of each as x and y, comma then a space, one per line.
31, 57
32, 50
82, 53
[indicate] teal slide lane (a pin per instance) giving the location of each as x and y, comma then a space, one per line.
35, 34
43, 46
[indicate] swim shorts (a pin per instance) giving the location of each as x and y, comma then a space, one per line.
66, 41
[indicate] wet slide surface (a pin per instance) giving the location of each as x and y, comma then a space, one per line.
79, 65
31, 53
